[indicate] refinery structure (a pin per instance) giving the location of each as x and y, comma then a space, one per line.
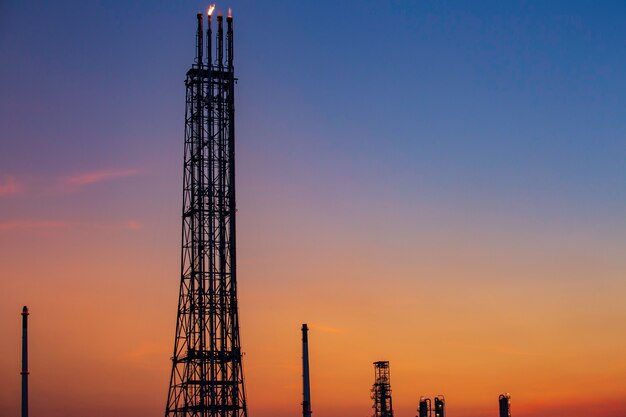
207, 378
207, 372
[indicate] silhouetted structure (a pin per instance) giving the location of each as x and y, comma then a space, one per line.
381, 390
306, 386
424, 409
207, 372
24, 362
440, 405
504, 401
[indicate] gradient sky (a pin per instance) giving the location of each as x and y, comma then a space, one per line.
438, 184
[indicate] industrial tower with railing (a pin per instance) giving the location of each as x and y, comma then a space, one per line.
381, 390
207, 372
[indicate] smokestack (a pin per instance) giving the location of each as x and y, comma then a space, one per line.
229, 39
25, 362
306, 391
209, 41
220, 41
199, 37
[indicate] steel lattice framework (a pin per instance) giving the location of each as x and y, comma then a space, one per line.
381, 390
207, 372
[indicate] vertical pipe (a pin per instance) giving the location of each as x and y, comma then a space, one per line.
199, 35
25, 362
229, 40
306, 391
230, 143
209, 51
198, 230
210, 176
220, 40
225, 337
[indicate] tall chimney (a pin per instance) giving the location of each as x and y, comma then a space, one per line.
199, 38
25, 362
306, 392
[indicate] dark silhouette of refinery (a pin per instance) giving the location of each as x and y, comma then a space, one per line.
207, 370
207, 378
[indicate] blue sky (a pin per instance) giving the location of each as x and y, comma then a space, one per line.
479, 146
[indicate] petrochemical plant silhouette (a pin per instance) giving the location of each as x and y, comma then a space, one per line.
207, 378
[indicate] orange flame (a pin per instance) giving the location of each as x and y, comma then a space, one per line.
211, 8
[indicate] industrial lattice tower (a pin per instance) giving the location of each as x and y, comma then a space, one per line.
207, 373
381, 390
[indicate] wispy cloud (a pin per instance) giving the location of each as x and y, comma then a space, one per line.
23, 225
10, 186
147, 351
145, 354
31, 225
43, 186
133, 225
501, 349
93, 177
325, 329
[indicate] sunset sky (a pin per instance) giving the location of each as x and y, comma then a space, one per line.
440, 184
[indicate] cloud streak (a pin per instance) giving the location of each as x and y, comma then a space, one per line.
10, 187
31, 225
325, 329
93, 177
23, 225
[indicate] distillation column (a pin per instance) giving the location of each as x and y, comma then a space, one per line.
504, 403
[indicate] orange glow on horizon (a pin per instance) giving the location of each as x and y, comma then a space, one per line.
463, 219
